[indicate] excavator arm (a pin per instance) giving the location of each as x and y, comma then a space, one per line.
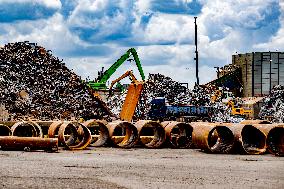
128, 73
101, 81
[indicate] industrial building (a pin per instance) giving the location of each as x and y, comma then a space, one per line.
252, 74
260, 71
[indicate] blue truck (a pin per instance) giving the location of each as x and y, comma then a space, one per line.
160, 110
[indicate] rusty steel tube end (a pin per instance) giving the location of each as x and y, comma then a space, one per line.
153, 131
99, 132
5, 130
179, 134
221, 140
72, 141
24, 129
253, 140
275, 141
122, 134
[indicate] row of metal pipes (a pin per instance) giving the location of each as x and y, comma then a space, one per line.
248, 137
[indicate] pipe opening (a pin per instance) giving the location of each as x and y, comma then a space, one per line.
74, 135
99, 133
4, 130
221, 140
253, 140
181, 135
71, 135
124, 135
24, 129
152, 135
275, 141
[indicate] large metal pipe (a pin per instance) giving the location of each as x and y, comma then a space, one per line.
150, 128
24, 129
53, 129
99, 132
275, 140
28, 143
179, 134
70, 141
249, 139
212, 137
5, 130
122, 128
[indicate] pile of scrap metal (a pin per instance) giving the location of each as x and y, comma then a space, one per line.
175, 93
248, 137
273, 106
34, 83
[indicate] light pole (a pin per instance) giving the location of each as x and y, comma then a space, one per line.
196, 51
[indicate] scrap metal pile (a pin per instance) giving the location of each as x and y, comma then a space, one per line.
273, 106
249, 137
175, 93
34, 83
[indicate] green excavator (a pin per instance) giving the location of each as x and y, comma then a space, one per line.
100, 82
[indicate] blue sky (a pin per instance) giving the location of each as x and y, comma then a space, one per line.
90, 34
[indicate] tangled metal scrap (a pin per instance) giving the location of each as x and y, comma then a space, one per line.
273, 106
248, 137
34, 83
159, 85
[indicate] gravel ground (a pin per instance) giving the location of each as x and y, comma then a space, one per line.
139, 168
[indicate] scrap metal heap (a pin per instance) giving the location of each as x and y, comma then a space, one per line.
159, 85
34, 83
273, 106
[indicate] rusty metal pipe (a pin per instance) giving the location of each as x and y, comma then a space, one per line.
28, 143
150, 128
212, 137
24, 129
99, 132
70, 141
125, 129
4, 130
275, 140
249, 139
53, 129
178, 134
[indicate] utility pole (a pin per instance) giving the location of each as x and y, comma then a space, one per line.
196, 52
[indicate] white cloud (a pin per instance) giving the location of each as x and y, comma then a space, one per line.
48, 3
169, 28
276, 42
143, 6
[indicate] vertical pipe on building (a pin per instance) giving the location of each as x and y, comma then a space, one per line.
252, 79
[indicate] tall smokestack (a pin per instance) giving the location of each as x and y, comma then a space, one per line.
196, 52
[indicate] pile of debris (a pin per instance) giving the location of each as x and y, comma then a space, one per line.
273, 106
34, 83
175, 93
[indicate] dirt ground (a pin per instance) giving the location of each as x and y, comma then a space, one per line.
139, 168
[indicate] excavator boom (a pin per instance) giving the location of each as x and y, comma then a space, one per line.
101, 82
128, 73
